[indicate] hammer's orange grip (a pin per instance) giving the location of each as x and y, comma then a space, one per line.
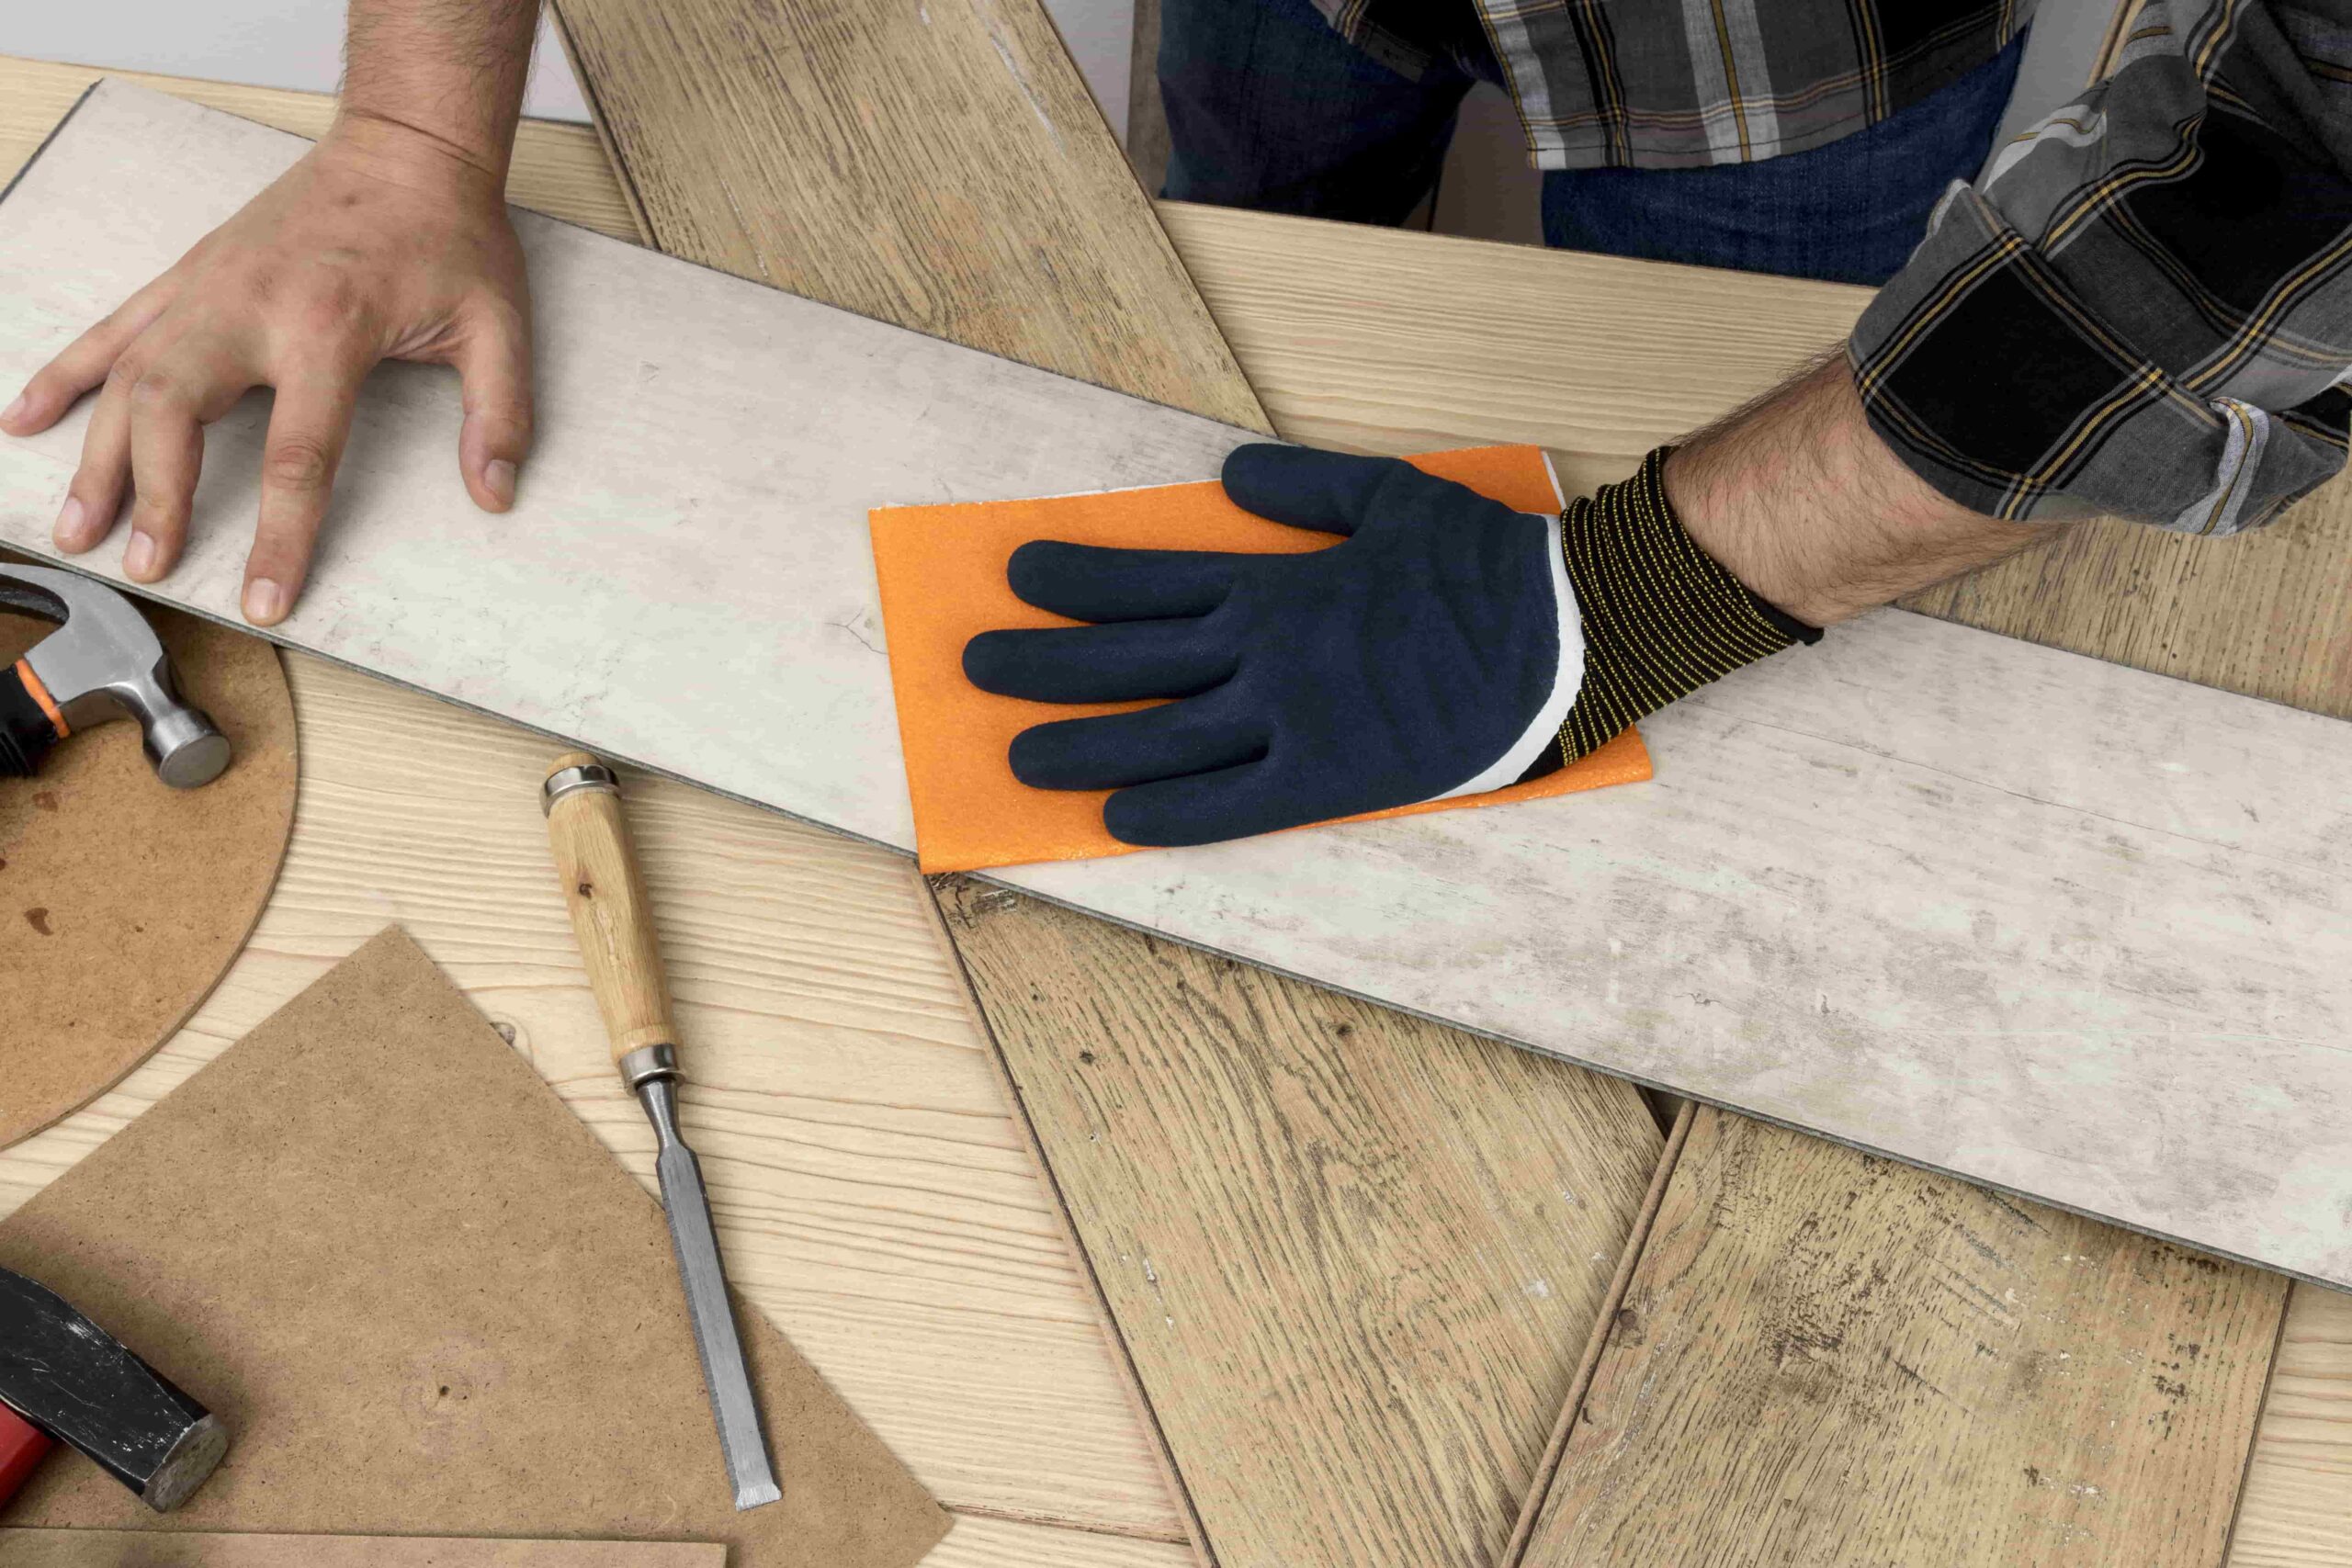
30, 721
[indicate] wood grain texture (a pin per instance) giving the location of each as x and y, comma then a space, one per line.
980, 1540
1382, 340
612, 918
1850, 1365
2268, 613
2297, 1510
1992, 909
1336, 1508
622, 604
1368, 339
937, 163
873, 1197
800, 940
1148, 146
871, 1193
1350, 1254
1620, 356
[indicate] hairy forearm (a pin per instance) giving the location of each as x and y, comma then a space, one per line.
453, 69
1796, 497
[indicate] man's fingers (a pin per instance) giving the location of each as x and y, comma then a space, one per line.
494, 362
194, 383
308, 427
95, 498
84, 363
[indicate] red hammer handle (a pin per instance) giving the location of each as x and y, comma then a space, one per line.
22, 1447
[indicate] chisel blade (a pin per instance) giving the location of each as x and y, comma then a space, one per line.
723, 1372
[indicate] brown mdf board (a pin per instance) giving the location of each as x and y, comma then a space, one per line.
122, 901
937, 163
1853, 1364
153, 1548
1349, 1254
424, 1298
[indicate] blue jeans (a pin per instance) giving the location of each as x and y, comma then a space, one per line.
1268, 109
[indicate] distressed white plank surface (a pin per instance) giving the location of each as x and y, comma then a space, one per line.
2049, 923
685, 580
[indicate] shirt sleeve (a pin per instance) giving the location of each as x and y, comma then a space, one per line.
2144, 307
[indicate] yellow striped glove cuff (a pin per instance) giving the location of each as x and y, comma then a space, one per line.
1661, 619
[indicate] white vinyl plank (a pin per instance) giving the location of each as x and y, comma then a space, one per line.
685, 580
2047, 922
2068, 928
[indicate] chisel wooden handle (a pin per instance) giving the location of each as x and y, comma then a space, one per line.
610, 914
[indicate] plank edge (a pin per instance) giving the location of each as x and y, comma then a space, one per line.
1538, 1484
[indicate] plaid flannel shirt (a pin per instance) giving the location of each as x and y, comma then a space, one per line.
2144, 308
1684, 84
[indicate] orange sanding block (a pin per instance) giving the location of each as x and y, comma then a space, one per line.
942, 571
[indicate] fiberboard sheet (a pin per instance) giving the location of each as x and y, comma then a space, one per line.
2045, 922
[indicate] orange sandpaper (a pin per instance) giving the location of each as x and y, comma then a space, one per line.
942, 572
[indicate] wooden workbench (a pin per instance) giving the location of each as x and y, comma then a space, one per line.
878, 1200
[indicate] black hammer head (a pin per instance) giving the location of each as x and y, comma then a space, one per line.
105, 661
73, 1380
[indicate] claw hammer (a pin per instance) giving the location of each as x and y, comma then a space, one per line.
103, 661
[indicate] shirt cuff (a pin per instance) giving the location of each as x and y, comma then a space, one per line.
1996, 382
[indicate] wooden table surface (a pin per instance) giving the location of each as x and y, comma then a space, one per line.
878, 1200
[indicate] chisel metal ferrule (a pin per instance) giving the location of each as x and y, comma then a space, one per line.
585, 775
647, 1065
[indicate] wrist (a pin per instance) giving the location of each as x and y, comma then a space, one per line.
1660, 616
389, 146
1802, 501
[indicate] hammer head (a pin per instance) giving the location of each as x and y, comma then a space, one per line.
105, 661
72, 1380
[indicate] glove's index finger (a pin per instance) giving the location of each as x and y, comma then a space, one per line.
1094, 582
1328, 491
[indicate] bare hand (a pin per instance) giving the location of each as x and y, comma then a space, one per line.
381, 243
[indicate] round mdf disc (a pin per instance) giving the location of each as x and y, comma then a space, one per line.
122, 901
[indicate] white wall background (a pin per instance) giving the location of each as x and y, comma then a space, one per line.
1488, 190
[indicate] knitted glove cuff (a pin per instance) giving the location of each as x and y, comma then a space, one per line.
1661, 619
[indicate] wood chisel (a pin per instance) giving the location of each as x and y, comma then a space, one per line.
613, 923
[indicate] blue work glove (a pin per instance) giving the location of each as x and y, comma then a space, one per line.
1446, 646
